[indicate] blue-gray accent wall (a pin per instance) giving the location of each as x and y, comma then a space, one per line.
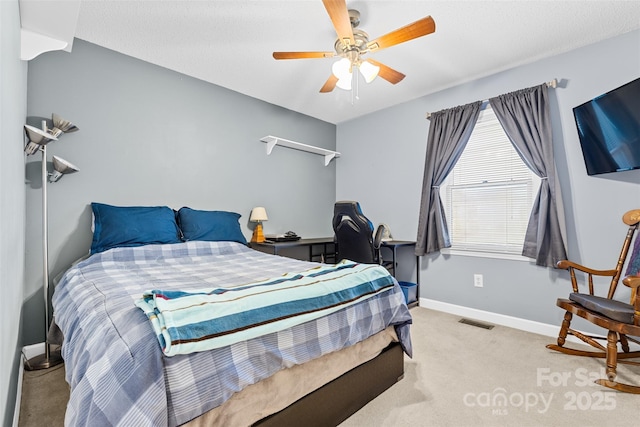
152, 136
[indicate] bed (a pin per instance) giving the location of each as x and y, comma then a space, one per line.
317, 372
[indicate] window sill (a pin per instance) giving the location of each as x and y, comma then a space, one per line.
478, 254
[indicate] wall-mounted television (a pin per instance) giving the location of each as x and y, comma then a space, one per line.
609, 130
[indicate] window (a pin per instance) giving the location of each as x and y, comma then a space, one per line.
489, 195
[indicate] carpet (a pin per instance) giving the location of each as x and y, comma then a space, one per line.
461, 375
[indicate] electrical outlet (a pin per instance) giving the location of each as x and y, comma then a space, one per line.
477, 280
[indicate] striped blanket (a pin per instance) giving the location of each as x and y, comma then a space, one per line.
188, 322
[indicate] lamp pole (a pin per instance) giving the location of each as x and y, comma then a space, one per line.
45, 253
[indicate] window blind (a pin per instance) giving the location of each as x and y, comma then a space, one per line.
489, 194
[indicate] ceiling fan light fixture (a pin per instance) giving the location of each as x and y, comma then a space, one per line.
342, 69
369, 71
344, 84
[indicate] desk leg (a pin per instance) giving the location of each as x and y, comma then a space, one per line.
395, 262
418, 280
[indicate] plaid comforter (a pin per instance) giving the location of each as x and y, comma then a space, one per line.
116, 370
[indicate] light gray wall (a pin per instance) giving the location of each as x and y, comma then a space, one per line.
13, 109
394, 140
151, 136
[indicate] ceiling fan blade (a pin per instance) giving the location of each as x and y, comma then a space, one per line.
339, 14
330, 84
420, 28
387, 73
302, 55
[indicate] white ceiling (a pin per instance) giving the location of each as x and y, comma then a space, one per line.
230, 43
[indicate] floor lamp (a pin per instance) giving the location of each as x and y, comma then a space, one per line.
37, 141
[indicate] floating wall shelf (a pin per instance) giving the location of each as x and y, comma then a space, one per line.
272, 141
47, 26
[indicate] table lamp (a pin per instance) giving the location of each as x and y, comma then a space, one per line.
258, 214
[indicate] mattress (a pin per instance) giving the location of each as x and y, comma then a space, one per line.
285, 387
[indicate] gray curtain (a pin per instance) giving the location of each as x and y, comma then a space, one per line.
526, 120
449, 133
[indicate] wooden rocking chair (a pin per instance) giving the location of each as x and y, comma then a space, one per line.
621, 320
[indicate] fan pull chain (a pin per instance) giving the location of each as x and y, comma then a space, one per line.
355, 76
354, 86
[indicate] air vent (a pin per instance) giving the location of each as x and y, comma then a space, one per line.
476, 324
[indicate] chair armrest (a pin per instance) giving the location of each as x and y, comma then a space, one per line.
377, 239
566, 264
632, 281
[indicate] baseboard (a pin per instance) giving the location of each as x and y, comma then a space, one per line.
28, 352
495, 318
33, 350
16, 410
504, 320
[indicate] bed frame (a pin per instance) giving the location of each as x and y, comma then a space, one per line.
339, 399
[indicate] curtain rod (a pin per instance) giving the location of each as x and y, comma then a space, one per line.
552, 84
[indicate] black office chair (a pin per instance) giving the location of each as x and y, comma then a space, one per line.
354, 234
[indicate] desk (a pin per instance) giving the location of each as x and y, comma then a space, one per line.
392, 246
320, 249
323, 249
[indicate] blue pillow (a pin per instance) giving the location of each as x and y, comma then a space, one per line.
212, 226
118, 226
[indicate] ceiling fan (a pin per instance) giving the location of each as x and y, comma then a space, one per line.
353, 43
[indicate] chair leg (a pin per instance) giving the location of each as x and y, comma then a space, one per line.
612, 355
624, 342
564, 329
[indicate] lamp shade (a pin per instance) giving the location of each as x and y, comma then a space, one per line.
37, 137
61, 125
61, 167
258, 214
344, 84
342, 70
369, 71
